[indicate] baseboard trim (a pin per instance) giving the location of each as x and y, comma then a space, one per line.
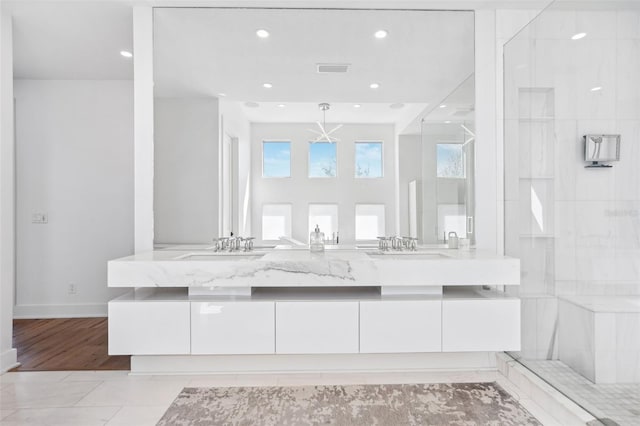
562, 409
286, 363
88, 310
8, 360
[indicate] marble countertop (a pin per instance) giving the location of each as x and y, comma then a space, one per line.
337, 266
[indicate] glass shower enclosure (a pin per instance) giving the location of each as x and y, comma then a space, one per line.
575, 71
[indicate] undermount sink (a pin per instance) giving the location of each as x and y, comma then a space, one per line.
226, 256
409, 255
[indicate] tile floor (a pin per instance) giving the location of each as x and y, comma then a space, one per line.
618, 402
116, 398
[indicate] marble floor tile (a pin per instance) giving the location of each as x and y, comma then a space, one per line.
33, 377
5, 413
92, 376
177, 377
117, 398
44, 394
618, 401
138, 416
128, 393
216, 380
66, 416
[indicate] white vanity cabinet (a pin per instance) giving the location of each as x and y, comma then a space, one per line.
400, 326
232, 328
307, 327
473, 325
149, 327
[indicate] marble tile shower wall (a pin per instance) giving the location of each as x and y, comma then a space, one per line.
581, 228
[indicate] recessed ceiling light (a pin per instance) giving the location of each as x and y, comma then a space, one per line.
396, 106
126, 54
442, 106
381, 34
281, 105
251, 104
595, 89
578, 36
262, 33
357, 106
267, 85
447, 122
222, 95
374, 85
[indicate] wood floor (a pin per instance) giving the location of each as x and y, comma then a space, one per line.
64, 344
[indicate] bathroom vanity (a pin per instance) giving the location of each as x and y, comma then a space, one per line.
193, 309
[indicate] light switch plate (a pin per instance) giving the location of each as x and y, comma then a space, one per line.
39, 218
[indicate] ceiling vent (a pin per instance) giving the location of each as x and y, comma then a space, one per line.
332, 68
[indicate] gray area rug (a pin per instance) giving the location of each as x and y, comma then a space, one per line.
385, 405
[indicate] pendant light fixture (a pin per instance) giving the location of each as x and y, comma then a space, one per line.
323, 135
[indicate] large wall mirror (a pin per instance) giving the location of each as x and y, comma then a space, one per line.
270, 120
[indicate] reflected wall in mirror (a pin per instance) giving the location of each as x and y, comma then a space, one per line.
224, 96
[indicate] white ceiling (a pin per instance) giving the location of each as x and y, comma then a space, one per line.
305, 112
203, 52
72, 40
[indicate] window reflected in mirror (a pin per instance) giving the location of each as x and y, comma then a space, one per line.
276, 221
450, 160
276, 159
370, 220
369, 160
322, 159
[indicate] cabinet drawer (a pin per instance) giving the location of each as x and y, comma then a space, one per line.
401, 326
316, 327
149, 328
232, 328
481, 325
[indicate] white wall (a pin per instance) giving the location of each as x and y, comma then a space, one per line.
186, 143
235, 124
74, 162
345, 190
8, 355
410, 161
143, 126
593, 214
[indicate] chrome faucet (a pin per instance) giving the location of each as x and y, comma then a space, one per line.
232, 244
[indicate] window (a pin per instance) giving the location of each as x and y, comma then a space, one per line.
368, 159
369, 221
450, 160
276, 221
326, 217
452, 217
322, 159
276, 159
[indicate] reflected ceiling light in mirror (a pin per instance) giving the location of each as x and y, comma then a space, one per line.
381, 34
596, 89
396, 106
267, 85
447, 122
374, 85
281, 105
442, 106
578, 36
251, 104
357, 106
126, 54
262, 33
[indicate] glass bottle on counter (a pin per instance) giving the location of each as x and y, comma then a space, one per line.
316, 240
